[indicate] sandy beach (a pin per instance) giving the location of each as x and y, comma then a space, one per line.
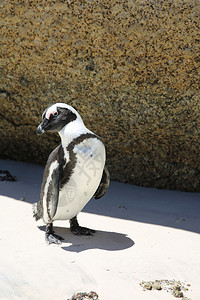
142, 234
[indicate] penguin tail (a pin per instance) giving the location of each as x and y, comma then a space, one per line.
36, 211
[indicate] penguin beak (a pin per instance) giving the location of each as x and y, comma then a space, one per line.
41, 128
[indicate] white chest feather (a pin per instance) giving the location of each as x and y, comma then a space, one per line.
89, 157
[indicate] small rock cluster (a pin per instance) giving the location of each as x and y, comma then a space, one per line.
172, 286
85, 296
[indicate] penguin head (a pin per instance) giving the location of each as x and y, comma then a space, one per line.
56, 116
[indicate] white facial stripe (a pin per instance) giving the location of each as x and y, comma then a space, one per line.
50, 112
52, 109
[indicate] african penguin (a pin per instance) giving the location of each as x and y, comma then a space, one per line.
75, 171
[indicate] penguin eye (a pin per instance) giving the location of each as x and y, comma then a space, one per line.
55, 114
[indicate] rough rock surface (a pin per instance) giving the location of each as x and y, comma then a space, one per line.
131, 68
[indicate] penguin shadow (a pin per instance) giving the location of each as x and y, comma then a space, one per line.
105, 240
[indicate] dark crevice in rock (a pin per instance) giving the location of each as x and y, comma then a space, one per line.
14, 124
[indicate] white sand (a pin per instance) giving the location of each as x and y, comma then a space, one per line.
142, 234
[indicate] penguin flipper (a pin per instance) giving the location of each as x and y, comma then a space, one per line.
53, 169
104, 184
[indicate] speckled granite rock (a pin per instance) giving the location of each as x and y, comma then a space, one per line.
131, 68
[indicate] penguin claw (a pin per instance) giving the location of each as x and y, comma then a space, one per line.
53, 239
78, 230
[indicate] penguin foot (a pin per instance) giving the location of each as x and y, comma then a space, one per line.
82, 230
78, 230
51, 237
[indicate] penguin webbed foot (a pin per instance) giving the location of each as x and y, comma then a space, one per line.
78, 230
82, 231
51, 237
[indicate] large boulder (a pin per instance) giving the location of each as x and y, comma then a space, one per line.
131, 69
